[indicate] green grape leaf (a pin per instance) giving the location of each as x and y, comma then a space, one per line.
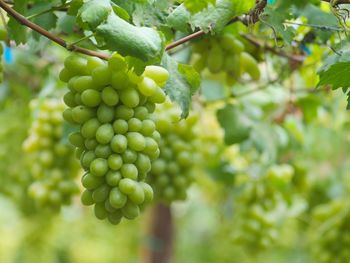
275, 15
151, 13
94, 12
337, 75
74, 7
121, 12
195, 6
142, 42
213, 18
236, 124
223, 172
242, 7
47, 21
18, 32
66, 24
317, 16
183, 82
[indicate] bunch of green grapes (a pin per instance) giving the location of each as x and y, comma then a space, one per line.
261, 209
51, 162
173, 172
332, 232
14, 176
117, 138
224, 54
3, 37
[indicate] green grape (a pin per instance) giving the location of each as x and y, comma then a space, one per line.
100, 211
158, 74
110, 96
92, 63
120, 126
215, 59
83, 83
130, 97
101, 193
113, 178
99, 167
105, 133
89, 128
117, 198
119, 143
103, 150
51, 163
148, 86
170, 168
231, 44
90, 98
134, 125
81, 114
130, 210
113, 108
138, 196
129, 156
127, 186
105, 113
115, 162
76, 139
69, 99
137, 142
91, 182
124, 113
129, 170
86, 159
141, 113
250, 65
101, 76
86, 198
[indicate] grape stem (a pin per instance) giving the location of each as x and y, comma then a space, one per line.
22, 20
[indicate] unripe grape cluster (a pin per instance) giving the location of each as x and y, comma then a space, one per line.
117, 139
332, 232
173, 172
224, 54
51, 161
261, 209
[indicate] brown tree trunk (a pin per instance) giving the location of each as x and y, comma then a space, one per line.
160, 236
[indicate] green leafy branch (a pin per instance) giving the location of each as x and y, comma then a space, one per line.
24, 21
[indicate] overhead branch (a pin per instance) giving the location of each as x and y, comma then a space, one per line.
22, 20
281, 53
251, 18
